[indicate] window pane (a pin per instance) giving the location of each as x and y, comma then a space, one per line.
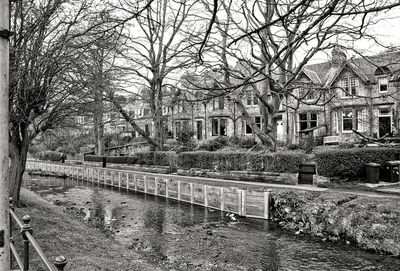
248, 98
221, 102
303, 117
255, 100
248, 129
222, 127
313, 123
359, 120
214, 124
257, 120
313, 116
347, 120
303, 125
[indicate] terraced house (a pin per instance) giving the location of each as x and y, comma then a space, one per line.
345, 95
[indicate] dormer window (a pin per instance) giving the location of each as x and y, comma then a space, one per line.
383, 84
251, 99
306, 94
349, 86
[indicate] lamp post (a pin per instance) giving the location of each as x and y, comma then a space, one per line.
4, 186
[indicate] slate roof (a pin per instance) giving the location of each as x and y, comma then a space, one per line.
364, 67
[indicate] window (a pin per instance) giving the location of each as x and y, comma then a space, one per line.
221, 102
178, 127
251, 99
383, 84
349, 86
359, 120
147, 129
218, 127
308, 120
335, 123
347, 120
258, 121
306, 93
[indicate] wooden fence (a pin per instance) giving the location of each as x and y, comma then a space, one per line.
254, 204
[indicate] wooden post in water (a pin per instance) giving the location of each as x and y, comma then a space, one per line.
119, 179
267, 197
191, 193
222, 199
239, 194
243, 204
205, 196
145, 183
127, 181
166, 188
156, 186
179, 190
135, 182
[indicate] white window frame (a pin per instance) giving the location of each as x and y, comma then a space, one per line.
349, 84
259, 124
360, 120
352, 124
380, 83
219, 127
250, 96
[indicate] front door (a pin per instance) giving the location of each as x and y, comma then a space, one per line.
384, 125
199, 126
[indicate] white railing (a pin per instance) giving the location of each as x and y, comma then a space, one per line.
192, 190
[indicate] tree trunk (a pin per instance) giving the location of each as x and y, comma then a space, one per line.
18, 155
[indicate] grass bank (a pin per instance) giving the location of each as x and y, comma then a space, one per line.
85, 248
372, 224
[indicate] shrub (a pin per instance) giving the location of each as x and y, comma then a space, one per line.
228, 161
214, 144
50, 156
351, 162
247, 142
185, 141
157, 158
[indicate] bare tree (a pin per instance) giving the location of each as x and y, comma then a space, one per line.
43, 89
156, 52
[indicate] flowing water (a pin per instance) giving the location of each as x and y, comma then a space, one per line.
179, 236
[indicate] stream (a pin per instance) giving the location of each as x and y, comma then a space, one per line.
180, 236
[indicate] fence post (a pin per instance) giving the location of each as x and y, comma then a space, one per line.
156, 186
239, 193
135, 181
243, 197
60, 262
205, 196
166, 188
26, 228
222, 199
127, 181
267, 197
145, 183
179, 190
191, 193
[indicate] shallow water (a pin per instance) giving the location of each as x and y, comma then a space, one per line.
179, 236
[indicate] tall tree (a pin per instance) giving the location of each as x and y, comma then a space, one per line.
157, 52
43, 90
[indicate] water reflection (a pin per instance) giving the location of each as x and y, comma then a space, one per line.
185, 237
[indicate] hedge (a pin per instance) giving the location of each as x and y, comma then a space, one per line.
141, 158
50, 156
351, 162
227, 161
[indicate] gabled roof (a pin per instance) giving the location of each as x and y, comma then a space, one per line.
364, 67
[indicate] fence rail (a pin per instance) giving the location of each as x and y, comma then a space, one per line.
26, 233
254, 204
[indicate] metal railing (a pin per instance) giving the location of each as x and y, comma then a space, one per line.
27, 237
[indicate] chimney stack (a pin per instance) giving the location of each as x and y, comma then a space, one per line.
338, 56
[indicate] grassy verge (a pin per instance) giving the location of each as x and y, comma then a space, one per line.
370, 223
85, 248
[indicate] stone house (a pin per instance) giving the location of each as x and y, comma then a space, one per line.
343, 95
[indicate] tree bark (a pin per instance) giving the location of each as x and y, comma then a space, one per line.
18, 155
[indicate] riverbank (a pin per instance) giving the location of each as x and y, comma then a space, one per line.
86, 248
371, 223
